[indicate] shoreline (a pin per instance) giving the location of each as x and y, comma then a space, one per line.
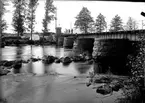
13, 84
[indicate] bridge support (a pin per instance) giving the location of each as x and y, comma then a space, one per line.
83, 45
112, 54
68, 42
95, 47
58, 34
76, 50
60, 41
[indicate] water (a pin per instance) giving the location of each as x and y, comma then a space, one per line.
45, 88
39, 68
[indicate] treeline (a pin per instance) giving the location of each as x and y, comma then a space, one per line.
24, 15
24, 18
86, 24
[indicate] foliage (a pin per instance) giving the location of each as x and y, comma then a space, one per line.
1, 8
49, 14
83, 20
19, 16
137, 61
32, 5
92, 28
136, 64
116, 24
131, 24
3, 24
131, 94
100, 23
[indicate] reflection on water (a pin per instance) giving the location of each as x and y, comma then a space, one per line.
27, 52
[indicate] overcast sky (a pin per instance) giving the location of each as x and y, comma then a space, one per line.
68, 10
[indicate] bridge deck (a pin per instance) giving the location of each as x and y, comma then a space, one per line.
131, 35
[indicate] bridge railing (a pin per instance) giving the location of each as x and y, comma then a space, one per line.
131, 35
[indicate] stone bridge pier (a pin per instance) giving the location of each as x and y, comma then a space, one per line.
110, 48
111, 53
68, 42
83, 45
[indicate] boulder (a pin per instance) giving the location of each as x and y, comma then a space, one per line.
2, 62
66, 60
57, 60
78, 59
90, 61
103, 80
104, 90
25, 61
88, 57
35, 59
4, 72
116, 85
88, 84
49, 59
8, 63
2, 45
17, 65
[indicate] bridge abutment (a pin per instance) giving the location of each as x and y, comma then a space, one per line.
60, 41
95, 47
112, 54
68, 42
83, 45
110, 48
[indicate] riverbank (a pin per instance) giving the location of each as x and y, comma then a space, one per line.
53, 88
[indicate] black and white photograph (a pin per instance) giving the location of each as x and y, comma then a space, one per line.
72, 51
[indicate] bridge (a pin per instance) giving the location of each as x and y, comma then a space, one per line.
69, 40
115, 46
131, 35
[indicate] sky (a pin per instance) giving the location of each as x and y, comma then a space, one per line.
68, 10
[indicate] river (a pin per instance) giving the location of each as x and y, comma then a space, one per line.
39, 68
41, 88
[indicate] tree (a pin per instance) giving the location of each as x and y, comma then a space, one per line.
49, 14
131, 24
84, 20
19, 16
100, 23
1, 9
31, 15
3, 24
137, 65
92, 28
116, 24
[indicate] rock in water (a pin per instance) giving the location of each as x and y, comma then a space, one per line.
116, 86
8, 63
35, 59
17, 65
88, 84
90, 61
66, 60
57, 60
105, 89
78, 59
4, 72
102, 80
49, 59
